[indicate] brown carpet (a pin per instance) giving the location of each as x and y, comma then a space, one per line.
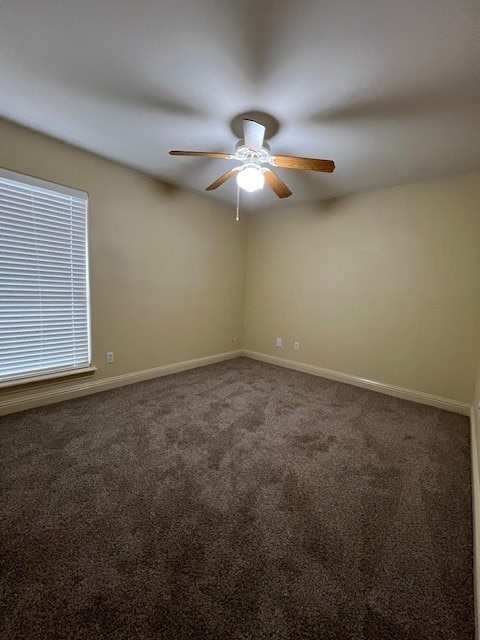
239, 501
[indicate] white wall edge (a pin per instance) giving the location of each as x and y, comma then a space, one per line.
49, 396
391, 390
474, 424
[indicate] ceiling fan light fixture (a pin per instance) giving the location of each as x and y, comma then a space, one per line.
251, 178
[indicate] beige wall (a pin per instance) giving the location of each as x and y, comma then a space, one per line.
383, 285
167, 268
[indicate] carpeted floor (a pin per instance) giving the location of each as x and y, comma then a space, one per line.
238, 501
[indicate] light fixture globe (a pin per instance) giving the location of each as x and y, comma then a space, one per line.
251, 178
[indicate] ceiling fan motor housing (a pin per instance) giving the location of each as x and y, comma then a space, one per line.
246, 155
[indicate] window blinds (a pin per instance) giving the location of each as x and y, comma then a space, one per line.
44, 296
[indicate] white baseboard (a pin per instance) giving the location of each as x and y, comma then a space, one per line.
391, 390
474, 425
41, 397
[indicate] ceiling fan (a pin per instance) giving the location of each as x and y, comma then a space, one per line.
254, 154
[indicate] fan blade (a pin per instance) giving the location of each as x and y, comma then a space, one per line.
208, 154
276, 185
253, 134
219, 181
311, 164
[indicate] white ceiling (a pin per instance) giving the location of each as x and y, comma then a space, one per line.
388, 89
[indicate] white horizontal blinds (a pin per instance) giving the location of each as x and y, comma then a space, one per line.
44, 301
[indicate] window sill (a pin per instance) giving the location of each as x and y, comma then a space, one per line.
71, 373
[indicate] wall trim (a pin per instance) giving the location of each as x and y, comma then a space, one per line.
389, 389
49, 396
46, 396
474, 425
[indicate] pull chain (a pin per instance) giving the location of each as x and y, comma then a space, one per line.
237, 218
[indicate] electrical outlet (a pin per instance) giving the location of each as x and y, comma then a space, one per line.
110, 357
235, 340
296, 345
279, 343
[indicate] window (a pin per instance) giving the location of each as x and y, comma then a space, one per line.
44, 294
